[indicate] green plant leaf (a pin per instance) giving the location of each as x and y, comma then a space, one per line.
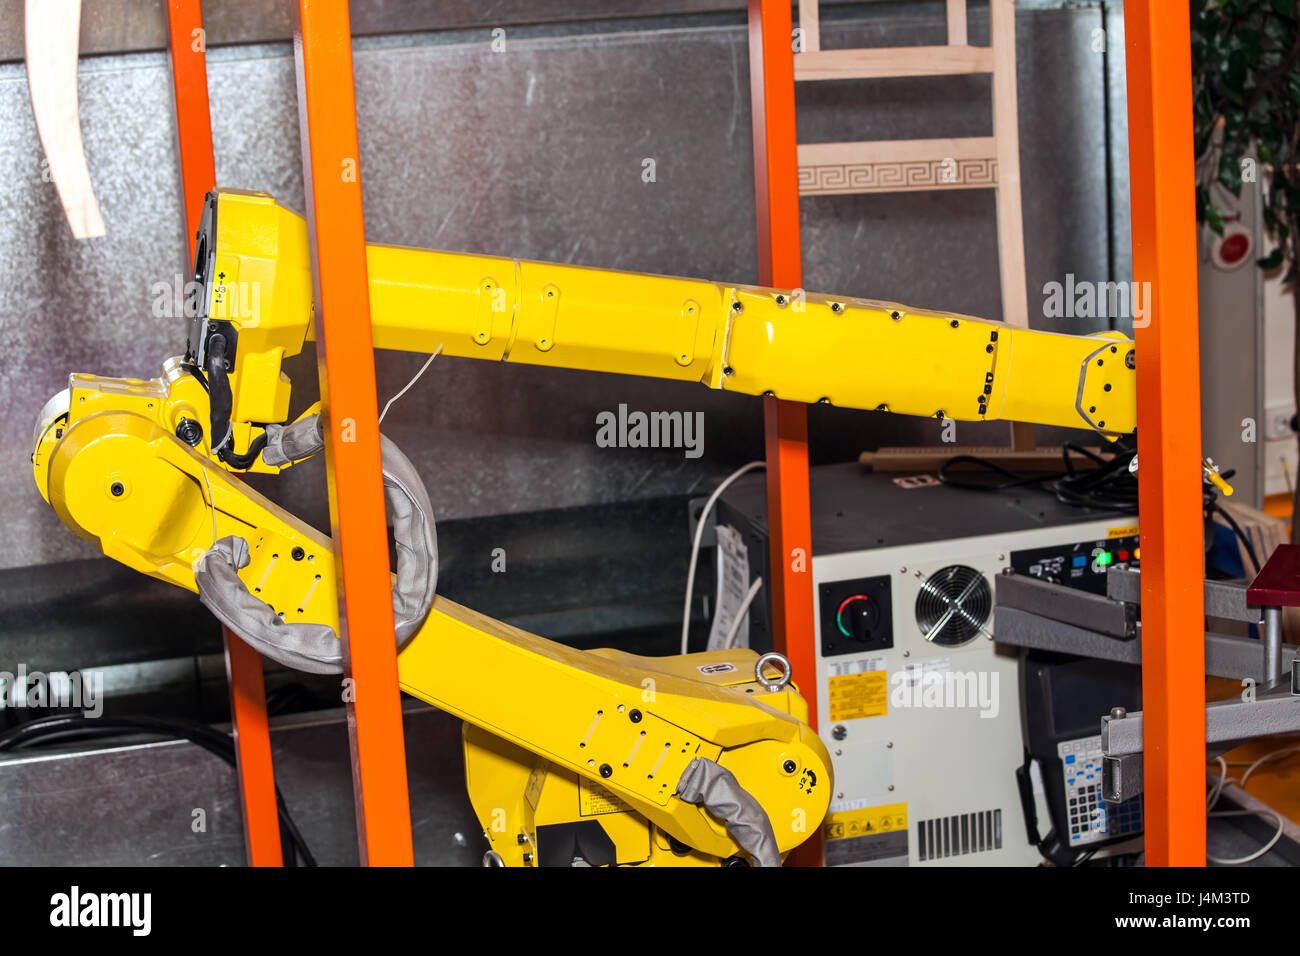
1214, 216
1273, 259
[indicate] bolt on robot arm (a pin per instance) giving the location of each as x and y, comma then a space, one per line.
612, 758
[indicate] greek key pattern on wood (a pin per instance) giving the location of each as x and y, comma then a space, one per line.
891, 176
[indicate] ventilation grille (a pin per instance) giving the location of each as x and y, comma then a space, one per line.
953, 605
959, 835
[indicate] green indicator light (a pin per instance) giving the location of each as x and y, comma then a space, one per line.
1104, 558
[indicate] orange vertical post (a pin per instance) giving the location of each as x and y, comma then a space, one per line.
345, 349
1162, 184
253, 764
780, 264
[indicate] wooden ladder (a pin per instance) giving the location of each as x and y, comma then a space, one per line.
912, 165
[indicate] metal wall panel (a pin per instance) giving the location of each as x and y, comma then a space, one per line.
135, 804
535, 152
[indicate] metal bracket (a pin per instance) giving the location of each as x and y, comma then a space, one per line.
1121, 777
1093, 612
1226, 722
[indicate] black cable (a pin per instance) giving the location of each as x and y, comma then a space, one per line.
1013, 480
248, 458
1109, 485
1215, 507
49, 729
197, 373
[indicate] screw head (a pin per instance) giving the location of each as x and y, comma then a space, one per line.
839, 732
1118, 713
737, 306
634, 715
1130, 359
117, 489
189, 431
521, 839
297, 554
789, 766
606, 770
954, 323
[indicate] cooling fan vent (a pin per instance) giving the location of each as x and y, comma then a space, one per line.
954, 605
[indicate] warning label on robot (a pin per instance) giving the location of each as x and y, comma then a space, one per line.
859, 695
868, 820
593, 799
876, 835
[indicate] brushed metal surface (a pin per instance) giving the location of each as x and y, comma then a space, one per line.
135, 804
536, 152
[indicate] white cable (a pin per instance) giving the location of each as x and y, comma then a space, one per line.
1213, 798
695, 545
1268, 756
1251, 858
410, 383
740, 615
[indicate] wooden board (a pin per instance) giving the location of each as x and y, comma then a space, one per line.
930, 457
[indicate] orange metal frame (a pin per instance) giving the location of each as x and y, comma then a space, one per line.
346, 359
1162, 186
1159, 98
254, 768
780, 264
1164, 254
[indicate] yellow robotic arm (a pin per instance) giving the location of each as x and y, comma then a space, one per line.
254, 269
700, 759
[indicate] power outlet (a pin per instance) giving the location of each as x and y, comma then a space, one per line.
1277, 421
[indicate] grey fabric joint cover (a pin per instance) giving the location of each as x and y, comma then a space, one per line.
286, 444
315, 647
716, 788
305, 647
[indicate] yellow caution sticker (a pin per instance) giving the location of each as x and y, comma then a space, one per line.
593, 799
865, 822
1123, 531
859, 695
